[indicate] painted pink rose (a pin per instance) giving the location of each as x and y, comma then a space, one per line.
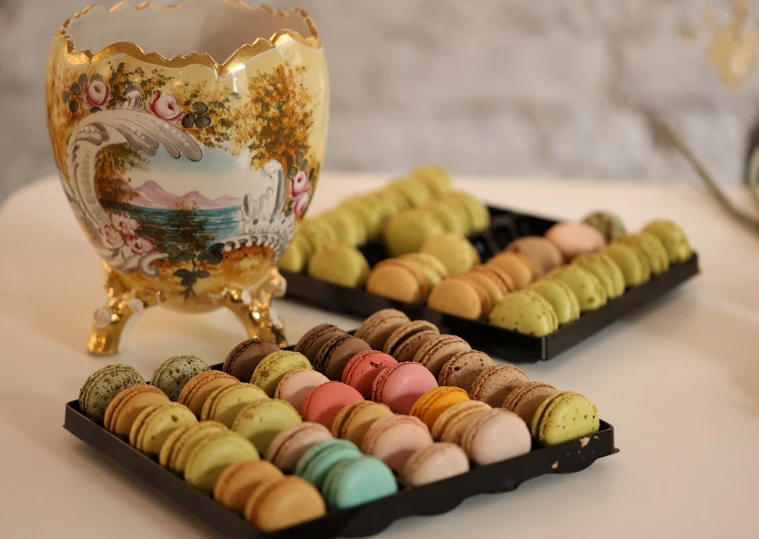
111, 237
140, 246
165, 106
299, 184
301, 203
123, 223
96, 94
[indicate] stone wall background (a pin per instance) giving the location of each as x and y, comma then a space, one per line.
566, 88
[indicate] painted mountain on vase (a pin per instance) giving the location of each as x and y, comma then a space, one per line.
152, 195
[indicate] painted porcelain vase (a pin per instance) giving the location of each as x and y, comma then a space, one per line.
189, 140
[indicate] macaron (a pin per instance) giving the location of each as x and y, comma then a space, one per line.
479, 215
127, 405
560, 296
407, 231
376, 329
363, 368
297, 385
542, 253
494, 292
357, 481
154, 424
497, 275
370, 214
431, 267
494, 383
225, 403
317, 233
652, 247
273, 368
452, 423
172, 375
236, 483
102, 387
564, 416
463, 368
283, 503
435, 352
518, 266
459, 297
455, 252
348, 226
591, 294
416, 192
433, 403
335, 354
261, 421
295, 257
436, 178
607, 223
340, 264
574, 239
395, 438
398, 279
672, 237
287, 447
406, 332
453, 218
201, 386
399, 386
324, 402
525, 312
433, 463
607, 271
310, 343
180, 443
352, 422
525, 399
213, 454
243, 359
319, 459
495, 436
629, 262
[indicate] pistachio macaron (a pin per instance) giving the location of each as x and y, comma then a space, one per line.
604, 267
526, 312
564, 416
406, 232
454, 251
273, 367
102, 387
607, 223
590, 292
628, 261
154, 424
172, 375
225, 403
261, 421
672, 237
213, 454
652, 247
339, 264
561, 298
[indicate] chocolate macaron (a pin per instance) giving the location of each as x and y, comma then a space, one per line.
435, 352
406, 341
310, 344
335, 354
462, 369
242, 361
493, 385
378, 327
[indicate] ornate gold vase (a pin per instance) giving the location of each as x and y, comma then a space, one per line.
189, 140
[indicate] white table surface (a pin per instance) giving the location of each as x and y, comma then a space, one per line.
679, 382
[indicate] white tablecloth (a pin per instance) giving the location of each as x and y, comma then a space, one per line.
679, 381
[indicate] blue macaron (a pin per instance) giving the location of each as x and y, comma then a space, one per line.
316, 463
358, 481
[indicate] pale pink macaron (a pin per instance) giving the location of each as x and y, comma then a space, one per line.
289, 445
363, 368
395, 438
435, 463
326, 401
574, 239
495, 436
399, 386
296, 386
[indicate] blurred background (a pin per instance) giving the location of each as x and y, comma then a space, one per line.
503, 88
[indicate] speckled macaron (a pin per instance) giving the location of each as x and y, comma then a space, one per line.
463, 368
493, 385
526, 312
103, 385
172, 375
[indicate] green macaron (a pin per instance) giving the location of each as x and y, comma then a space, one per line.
356, 481
369, 213
319, 460
526, 312
601, 264
273, 367
628, 262
436, 178
589, 291
478, 213
561, 298
455, 251
564, 416
295, 257
452, 217
652, 248
415, 191
672, 237
406, 232
317, 232
339, 264
607, 223
348, 226
103, 385
172, 375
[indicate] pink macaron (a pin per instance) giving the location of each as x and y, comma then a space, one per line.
324, 402
574, 239
363, 368
297, 385
289, 445
395, 438
400, 385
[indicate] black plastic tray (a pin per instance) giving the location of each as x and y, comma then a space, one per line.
362, 521
517, 348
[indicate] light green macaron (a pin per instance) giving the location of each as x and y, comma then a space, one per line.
589, 291
526, 312
415, 191
261, 421
406, 232
339, 264
657, 256
628, 262
452, 217
455, 251
348, 226
213, 454
369, 213
608, 271
561, 298
273, 367
295, 257
564, 416
436, 178
673, 238
317, 232
478, 213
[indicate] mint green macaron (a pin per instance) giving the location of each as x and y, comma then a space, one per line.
357, 481
319, 460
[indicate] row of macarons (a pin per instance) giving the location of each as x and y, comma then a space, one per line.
382, 214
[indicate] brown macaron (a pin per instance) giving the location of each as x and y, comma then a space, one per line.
459, 297
435, 352
462, 369
543, 254
399, 280
525, 399
335, 354
517, 266
312, 341
405, 332
406, 351
376, 329
493, 384
245, 357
